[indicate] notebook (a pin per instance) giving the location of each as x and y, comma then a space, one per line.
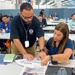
9, 57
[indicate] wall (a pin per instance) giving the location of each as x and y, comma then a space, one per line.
68, 12
62, 12
59, 11
13, 12
37, 11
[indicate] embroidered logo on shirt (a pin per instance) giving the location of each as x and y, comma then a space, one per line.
31, 31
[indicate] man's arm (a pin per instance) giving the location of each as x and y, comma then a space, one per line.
41, 42
41, 54
19, 46
22, 50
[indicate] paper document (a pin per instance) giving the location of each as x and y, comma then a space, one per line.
33, 70
31, 67
22, 62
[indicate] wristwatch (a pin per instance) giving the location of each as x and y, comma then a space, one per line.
41, 50
52, 61
51, 58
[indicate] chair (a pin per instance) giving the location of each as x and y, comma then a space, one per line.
3, 48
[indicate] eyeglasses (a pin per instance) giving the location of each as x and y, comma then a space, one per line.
26, 18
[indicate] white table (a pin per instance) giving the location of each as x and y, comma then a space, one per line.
52, 23
15, 69
5, 36
49, 28
10, 69
48, 35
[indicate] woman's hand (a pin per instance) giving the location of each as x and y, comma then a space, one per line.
45, 60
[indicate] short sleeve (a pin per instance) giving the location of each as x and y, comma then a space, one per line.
48, 44
39, 30
69, 44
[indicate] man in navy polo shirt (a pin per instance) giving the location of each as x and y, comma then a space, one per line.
24, 29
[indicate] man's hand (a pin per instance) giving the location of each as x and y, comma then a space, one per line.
28, 56
0, 31
41, 55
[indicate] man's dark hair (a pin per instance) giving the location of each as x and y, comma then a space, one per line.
72, 14
5, 16
26, 6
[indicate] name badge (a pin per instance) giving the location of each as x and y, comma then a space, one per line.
26, 43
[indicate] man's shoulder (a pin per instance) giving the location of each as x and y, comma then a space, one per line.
9, 21
17, 17
35, 19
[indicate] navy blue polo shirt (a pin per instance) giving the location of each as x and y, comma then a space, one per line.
54, 50
19, 29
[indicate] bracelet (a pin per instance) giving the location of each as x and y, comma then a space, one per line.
41, 50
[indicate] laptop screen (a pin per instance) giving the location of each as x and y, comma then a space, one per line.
57, 70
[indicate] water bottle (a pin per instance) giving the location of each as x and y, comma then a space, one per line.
3, 31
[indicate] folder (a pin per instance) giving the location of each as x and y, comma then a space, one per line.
9, 57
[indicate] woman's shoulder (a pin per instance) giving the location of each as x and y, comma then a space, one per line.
69, 44
69, 41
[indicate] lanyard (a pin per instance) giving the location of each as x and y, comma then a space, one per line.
26, 31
